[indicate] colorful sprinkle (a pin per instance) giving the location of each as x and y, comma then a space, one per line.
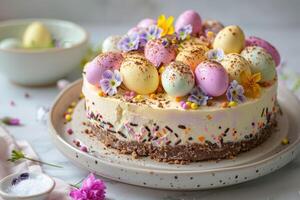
285, 141
152, 96
178, 99
161, 70
70, 131
232, 104
194, 106
201, 138
68, 117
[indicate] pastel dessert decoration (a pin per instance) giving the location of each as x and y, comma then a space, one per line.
139, 75
110, 44
212, 78
261, 62
192, 56
177, 79
256, 41
37, 36
182, 96
189, 17
231, 39
235, 64
191, 42
160, 51
105, 61
10, 43
145, 23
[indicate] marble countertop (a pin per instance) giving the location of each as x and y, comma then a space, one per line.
282, 184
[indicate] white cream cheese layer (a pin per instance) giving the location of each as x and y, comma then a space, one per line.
169, 124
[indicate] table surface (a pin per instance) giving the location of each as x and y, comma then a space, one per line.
282, 184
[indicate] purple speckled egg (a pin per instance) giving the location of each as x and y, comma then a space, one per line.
103, 62
256, 41
212, 78
189, 17
145, 23
158, 52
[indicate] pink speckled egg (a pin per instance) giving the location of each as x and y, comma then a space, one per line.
145, 23
212, 78
159, 52
256, 41
103, 62
189, 17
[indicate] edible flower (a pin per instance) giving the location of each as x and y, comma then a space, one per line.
198, 96
166, 24
91, 189
11, 121
184, 32
110, 81
250, 84
129, 42
235, 92
152, 33
17, 155
215, 54
129, 95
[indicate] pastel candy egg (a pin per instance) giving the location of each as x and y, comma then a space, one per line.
231, 39
139, 75
177, 79
192, 56
212, 26
37, 35
191, 43
135, 30
189, 17
110, 44
212, 78
103, 62
260, 61
157, 52
145, 23
10, 43
235, 64
256, 41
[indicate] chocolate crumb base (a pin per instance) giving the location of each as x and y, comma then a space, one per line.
184, 154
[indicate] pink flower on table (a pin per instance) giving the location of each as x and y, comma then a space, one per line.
91, 189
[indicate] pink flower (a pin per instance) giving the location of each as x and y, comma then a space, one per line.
91, 189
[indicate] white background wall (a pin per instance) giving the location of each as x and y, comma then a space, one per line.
275, 20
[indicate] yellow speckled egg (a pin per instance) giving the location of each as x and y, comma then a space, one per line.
192, 56
231, 39
139, 74
37, 35
235, 64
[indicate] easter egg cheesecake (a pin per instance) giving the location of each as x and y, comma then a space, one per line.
196, 90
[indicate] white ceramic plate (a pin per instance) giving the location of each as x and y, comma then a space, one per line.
260, 161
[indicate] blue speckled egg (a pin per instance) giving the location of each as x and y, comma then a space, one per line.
261, 62
177, 79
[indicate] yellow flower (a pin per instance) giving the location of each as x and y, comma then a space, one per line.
250, 84
166, 24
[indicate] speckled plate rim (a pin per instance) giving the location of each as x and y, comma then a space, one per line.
294, 146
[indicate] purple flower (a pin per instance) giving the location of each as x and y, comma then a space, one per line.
215, 54
152, 33
184, 32
235, 92
129, 95
91, 189
11, 121
198, 96
110, 81
129, 42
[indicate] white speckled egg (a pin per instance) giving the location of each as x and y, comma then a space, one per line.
261, 62
177, 79
10, 43
37, 35
110, 44
231, 39
235, 64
